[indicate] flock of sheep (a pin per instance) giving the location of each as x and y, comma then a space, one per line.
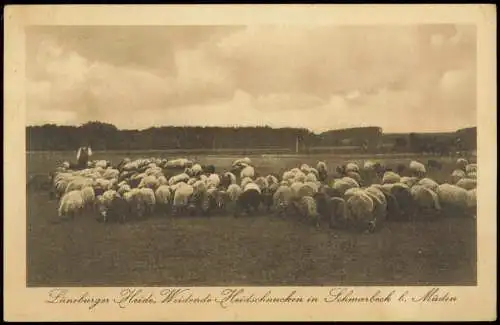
354, 197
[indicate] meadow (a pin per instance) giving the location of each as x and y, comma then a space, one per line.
252, 251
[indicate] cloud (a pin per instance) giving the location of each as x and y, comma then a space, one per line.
414, 77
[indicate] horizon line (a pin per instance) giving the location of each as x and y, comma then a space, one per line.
249, 126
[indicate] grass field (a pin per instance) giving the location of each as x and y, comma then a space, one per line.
222, 251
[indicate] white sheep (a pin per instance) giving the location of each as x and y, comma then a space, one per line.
391, 178
457, 175
163, 197
472, 198
417, 168
248, 171
308, 210
231, 177
246, 181
470, 168
147, 196
111, 173
213, 180
282, 199
88, 195
262, 183
71, 204
311, 177
271, 179
341, 185
162, 180
78, 183
467, 183
410, 181
351, 181
352, 167
149, 181
426, 200
252, 186
304, 168
452, 196
462, 163
178, 178
123, 189
181, 197
429, 183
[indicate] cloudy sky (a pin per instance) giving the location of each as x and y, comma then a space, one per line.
418, 78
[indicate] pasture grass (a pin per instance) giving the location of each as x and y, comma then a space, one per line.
223, 251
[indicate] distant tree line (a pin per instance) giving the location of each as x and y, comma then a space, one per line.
105, 136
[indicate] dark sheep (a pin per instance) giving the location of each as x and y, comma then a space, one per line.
267, 198
324, 207
225, 181
432, 163
404, 206
208, 169
117, 212
400, 168
248, 202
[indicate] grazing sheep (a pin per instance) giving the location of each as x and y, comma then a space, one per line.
351, 167
245, 181
227, 179
117, 210
307, 209
342, 185
472, 200
248, 171
355, 176
71, 204
311, 177
249, 200
405, 203
400, 168
462, 163
429, 183
194, 171
471, 168
409, 181
390, 178
163, 197
88, 195
78, 184
307, 189
213, 180
178, 178
182, 195
432, 163
360, 212
233, 192
467, 183
282, 199
304, 168
262, 183
322, 171
457, 175
271, 179
417, 168
426, 201
452, 198
147, 196
149, 181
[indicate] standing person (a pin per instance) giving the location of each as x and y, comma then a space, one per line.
83, 156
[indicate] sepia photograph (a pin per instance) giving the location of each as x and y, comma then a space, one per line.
251, 155
289, 158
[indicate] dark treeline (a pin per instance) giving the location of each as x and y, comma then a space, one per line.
104, 136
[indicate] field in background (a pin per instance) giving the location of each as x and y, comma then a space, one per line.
246, 251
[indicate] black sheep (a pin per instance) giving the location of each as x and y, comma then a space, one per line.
249, 201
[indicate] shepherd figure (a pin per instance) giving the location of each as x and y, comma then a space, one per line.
83, 156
